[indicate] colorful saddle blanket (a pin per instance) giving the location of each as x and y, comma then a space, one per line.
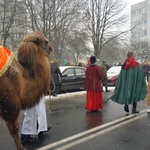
6, 58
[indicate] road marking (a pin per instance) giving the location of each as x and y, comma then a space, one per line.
93, 130
99, 133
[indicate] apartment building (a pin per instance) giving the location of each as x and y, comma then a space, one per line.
140, 21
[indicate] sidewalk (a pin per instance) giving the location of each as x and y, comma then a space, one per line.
64, 96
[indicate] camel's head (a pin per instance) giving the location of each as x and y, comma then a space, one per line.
34, 47
43, 42
39, 40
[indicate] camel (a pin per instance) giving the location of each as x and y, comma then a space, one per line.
24, 80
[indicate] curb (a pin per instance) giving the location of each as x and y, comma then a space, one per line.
65, 96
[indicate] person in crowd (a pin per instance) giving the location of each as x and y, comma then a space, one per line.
104, 81
106, 64
146, 70
131, 85
66, 62
119, 64
56, 77
80, 64
93, 86
148, 97
34, 123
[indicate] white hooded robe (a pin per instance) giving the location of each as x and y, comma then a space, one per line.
33, 116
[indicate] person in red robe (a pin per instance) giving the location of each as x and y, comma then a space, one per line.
93, 86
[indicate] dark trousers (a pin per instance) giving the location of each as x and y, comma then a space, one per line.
134, 105
55, 89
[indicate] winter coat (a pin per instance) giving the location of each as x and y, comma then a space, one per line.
104, 70
94, 76
55, 72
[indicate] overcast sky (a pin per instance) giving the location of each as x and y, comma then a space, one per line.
132, 2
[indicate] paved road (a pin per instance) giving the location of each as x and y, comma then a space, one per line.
74, 128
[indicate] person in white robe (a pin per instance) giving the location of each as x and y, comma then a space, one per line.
35, 122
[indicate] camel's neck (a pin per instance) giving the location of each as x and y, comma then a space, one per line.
31, 89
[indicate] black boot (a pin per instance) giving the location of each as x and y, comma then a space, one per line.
48, 128
126, 108
134, 111
27, 139
106, 90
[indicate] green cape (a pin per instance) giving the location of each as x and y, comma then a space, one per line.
131, 86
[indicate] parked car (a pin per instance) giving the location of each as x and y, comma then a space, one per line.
112, 75
73, 78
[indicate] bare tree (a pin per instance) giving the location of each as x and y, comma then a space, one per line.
141, 49
55, 18
105, 19
65, 22
77, 46
12, 18
8, 11
114, 52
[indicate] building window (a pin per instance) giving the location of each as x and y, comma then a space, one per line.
134, 34
133, 13
138, 34
144, 32
138, 11
144, 21
143, 10
137, 23
17, 35
17, 22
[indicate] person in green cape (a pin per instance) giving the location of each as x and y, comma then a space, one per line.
131, 85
